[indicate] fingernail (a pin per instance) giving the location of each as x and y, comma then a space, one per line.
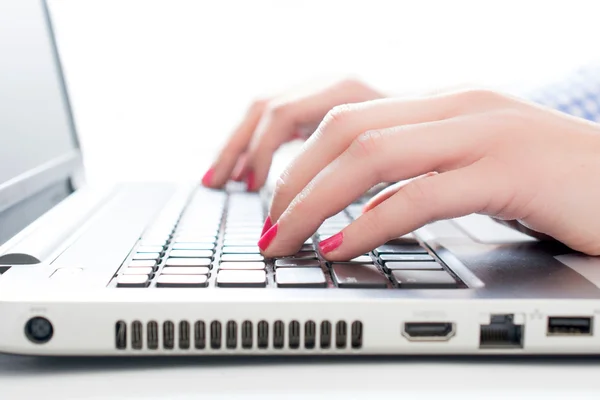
332, 243
268, 224
267, 238
250, 181
207, 178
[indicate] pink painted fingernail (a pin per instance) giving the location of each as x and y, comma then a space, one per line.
268, 224
267, 238
332, 243
250, 181
207, 178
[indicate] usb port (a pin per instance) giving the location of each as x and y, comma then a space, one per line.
428, 331
569, 326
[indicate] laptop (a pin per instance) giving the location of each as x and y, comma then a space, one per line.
171, 269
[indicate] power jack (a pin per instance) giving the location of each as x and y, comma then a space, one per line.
39, 330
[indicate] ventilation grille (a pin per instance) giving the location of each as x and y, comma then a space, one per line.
232, 335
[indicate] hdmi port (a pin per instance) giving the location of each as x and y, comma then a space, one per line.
428, 331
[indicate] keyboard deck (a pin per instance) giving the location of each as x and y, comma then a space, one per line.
210, 241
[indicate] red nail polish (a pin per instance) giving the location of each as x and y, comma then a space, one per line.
268, 224
207, 178
332, 243
250, 184
267, 238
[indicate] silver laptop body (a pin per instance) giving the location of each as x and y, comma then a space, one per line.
168, 269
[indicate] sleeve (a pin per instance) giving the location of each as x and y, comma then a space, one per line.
578, 94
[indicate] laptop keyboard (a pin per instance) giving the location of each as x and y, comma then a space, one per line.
210, 240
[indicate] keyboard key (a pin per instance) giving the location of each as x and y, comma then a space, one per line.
242, 257
193, 246
405, 257
412, 265
152, 243
242, 265
300, 277
307, 247
150, 249
400, 246
185, 271
294, 263
235, 242
424, 279
138, 271
243, 231
142, 263
358, 276
191, 253
237, 278
132, 281
362, 259
146, 256
241, 249
306, 255
195, 238
180, 281
188, 262
245, 237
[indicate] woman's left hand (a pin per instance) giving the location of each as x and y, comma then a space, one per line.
472, 152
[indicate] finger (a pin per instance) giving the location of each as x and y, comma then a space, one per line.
239, 171
283, 119
343, 124
387, 155
516, 225
446, 195
389, 192
221, 170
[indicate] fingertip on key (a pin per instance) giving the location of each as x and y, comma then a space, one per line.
208, 177
267, 238
330, 244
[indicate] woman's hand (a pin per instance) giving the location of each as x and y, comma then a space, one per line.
269, 123
471, 151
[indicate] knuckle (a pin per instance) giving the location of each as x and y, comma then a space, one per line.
367, 144
371, 224
258, 105
279, 110
418, 194
337, 116
479, 96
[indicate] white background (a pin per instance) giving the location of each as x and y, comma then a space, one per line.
157, 85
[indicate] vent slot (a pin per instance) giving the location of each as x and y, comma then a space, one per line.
152, 328
263, 335
357, 334
168, 335
278, 334
215, 335
294, 339
231, 337
325, 334
247, 335
184, 335
310, 334
136, 335
199, 335
341, 334
121, 335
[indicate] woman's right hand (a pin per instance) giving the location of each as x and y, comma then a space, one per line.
269, 123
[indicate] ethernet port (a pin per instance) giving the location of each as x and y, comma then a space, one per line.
501, 333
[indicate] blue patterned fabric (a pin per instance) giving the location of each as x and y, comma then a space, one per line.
578, 94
